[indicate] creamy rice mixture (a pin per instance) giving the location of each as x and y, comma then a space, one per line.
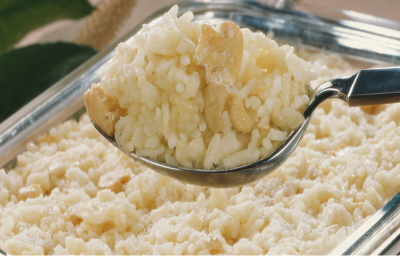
74, 193
190, 94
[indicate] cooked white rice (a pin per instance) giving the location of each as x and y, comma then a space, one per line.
74, 193
164, 78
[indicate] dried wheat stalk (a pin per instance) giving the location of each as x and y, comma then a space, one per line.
104, 22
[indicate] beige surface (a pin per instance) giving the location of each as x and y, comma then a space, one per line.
388, 9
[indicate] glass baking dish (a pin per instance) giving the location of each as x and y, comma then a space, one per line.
335, 31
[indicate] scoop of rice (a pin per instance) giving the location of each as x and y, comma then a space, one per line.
203, 96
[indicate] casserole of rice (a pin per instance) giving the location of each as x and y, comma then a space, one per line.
72, 192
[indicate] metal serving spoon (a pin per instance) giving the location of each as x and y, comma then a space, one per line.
368, 87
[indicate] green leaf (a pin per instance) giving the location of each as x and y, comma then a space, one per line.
28, 71
18, 17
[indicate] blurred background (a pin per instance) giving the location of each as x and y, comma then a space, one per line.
42, 41
69, 29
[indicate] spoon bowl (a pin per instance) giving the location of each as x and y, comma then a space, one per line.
368, 87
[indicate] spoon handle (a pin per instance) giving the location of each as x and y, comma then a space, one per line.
373, 86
